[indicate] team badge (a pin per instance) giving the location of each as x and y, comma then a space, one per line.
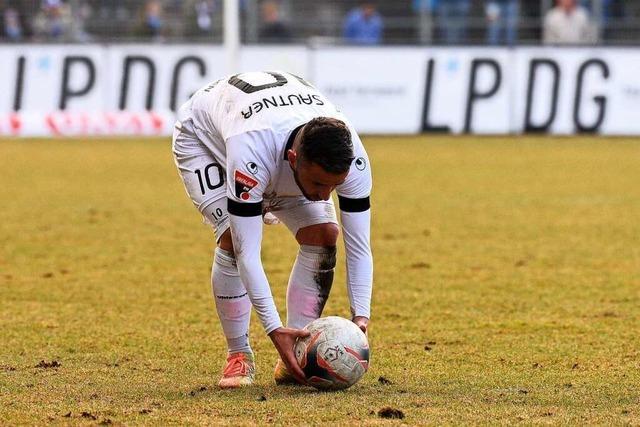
252, 167
243, 184
361, 163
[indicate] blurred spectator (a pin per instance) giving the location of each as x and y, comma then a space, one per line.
273, 29
502, 17
111, 10
423, 10
204, 15
80, 15
452, 18
12, 25
363, 25
568, 23
53, 21
27, 10
613, 12
152, 20
420, 5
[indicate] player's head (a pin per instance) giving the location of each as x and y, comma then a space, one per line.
567, 5
321, 157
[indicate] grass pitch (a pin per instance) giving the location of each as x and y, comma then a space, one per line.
507, 276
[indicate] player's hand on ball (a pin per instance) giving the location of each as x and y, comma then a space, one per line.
284, 339
362, 322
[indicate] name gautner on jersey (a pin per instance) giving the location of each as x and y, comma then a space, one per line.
282, 101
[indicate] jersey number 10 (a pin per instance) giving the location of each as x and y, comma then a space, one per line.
206, 174
249, 88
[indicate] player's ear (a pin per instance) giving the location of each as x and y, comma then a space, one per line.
292, 156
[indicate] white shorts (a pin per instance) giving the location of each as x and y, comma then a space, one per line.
204, 179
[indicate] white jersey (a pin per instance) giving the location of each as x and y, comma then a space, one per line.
249, 121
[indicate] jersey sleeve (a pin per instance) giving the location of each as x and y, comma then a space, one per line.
247, 177
355, 215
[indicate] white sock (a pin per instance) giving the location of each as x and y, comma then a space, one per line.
309, 284
232, 302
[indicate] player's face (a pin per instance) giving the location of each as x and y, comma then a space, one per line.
315, 183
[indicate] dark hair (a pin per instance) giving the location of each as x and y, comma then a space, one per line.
327, 142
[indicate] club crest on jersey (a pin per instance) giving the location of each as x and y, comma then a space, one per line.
243, 184
252, 167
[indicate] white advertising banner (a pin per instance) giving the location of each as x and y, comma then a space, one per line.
63, 90
135, 89
563, 91
409, 90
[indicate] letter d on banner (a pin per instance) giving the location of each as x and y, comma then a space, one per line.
533, 70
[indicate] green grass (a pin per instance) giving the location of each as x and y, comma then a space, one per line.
515, 261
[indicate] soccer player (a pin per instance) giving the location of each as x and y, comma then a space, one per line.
267, 146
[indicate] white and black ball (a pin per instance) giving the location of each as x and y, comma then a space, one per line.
335, 355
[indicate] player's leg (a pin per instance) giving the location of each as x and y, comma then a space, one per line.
232, 302
311, 277
203, 178
314, 225
234, 311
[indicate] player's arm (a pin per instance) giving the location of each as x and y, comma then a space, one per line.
247, 177
355, 215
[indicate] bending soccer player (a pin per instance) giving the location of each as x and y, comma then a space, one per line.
267, 146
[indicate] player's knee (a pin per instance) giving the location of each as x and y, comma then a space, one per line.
225, 241
318, 235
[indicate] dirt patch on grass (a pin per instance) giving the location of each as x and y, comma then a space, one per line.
197, 390
54, 364
420, 265
88, 415
384, 381
390, 413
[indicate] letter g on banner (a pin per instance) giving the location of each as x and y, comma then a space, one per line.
600, 100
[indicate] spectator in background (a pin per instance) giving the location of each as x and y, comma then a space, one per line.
273, 28
613, 12
607, 17
80, 15
12, 24
153, 23
568, 23
53, 21
204, 15
110, 10
452, 18
502, 18
27, 11
423, 10
363, 25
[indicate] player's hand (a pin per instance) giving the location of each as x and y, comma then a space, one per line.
362, 323
284, 339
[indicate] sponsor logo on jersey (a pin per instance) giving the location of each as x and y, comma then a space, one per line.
243, 184
360, 163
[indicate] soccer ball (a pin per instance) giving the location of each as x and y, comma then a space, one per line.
335, 355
